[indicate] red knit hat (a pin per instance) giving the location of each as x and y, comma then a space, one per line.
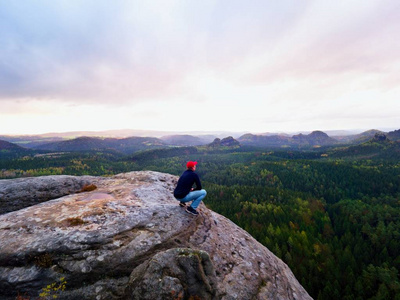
191, 164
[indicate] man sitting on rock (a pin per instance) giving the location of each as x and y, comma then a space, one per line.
184, 191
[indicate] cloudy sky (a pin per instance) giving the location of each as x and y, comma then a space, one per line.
258, 66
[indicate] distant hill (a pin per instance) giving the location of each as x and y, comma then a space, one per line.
183, 140
126, 145
78, 144
10, 150
124, 133
358, 138
29, 141
394, 135
275, 133
264, 141
118, 133
225, 142
4, 145
134, 144
315, 138
378, 147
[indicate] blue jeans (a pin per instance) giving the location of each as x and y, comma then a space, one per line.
195, 196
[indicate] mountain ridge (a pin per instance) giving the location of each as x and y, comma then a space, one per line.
124, 145
379, 146
128, 145
4, 145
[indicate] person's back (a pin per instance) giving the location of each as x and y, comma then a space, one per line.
185, 184
184, 191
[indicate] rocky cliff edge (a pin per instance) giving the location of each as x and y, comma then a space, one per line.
125, 237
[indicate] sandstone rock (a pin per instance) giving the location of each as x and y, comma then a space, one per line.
178, 272
129, 239
23, 192
225, 142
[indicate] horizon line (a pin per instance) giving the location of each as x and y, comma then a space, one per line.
161, 133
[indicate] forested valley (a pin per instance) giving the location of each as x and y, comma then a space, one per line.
333, 215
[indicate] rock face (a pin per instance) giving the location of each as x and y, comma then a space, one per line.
23, 192
129, 239
225, 142
186, 269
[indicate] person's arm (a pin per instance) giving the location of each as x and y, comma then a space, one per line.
197, 181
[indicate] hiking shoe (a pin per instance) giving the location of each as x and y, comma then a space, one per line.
192, 211
182, 204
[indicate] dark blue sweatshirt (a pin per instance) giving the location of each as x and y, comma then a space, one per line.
185, 183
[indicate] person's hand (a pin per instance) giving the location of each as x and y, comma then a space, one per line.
192, 189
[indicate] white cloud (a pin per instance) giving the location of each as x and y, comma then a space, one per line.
238, 65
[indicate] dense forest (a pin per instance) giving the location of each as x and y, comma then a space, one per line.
332, 214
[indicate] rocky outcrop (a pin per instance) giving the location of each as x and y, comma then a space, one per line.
129, 239
225, 142
379, 138
19, 193
315, 138
188, 272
